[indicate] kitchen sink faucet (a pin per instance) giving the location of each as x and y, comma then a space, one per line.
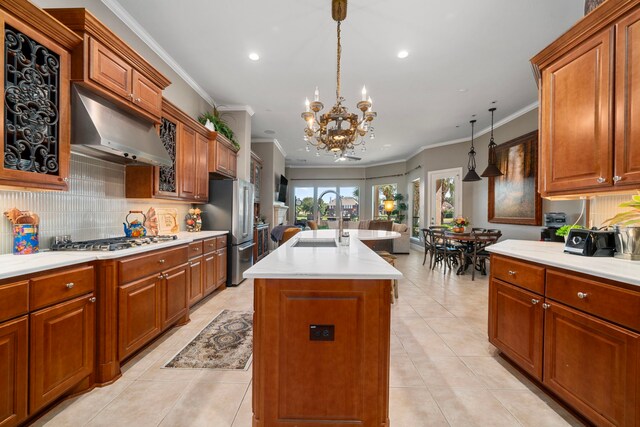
338, 211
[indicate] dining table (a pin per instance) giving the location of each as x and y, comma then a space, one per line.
466, 239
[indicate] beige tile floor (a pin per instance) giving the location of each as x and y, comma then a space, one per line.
443, 370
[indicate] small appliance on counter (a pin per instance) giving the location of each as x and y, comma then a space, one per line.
590, 243
552, 222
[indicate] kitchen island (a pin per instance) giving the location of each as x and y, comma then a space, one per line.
321, 333
572, 323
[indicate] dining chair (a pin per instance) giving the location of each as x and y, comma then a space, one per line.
443, 248
428, 246
480, 255
312, 225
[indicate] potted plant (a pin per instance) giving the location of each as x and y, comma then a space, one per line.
219, 124
459, 223
564, 230
401, 208
627, 229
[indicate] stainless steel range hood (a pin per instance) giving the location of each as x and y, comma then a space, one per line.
101, 129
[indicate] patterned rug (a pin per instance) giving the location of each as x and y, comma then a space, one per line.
225, 343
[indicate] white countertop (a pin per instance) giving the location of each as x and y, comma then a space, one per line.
551, 253
18, 265
355, 261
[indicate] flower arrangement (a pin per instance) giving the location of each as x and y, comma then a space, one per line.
459, 223
628, 218
193, 220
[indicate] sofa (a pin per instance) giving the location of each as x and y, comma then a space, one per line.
400, 245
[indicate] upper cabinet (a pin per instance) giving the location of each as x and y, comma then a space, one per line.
588, 92
256, 175
35, 118
109, 66
223, 157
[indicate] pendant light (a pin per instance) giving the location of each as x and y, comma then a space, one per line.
492, 169
472, 175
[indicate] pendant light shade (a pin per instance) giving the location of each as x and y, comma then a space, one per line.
492, 169
472, 175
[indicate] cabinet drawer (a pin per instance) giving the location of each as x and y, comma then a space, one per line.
14, 300
518, 273
147, 264
222, 241
195, 249
210, 245
61, 286
609, 302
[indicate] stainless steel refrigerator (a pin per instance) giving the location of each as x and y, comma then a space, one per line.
230, 208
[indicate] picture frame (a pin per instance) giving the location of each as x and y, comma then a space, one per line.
514, 197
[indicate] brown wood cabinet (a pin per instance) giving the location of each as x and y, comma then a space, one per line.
210, 281
201, 170
62, 349
175, 294
196, 281
256, 176
588, 93
223, 157
109, 66
37, 67
139, 320
187, 163
14, 368
261, 240
580, 338
221, 267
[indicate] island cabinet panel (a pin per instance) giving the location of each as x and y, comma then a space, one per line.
592, 365
627, 149
139, 316
14, 359
576, 118
62, 349
515, 325
337, 378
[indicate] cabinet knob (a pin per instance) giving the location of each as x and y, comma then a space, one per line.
137, 99
534, 301
582, 295
601, 180
65, 179
92, 299
161, 261
512, 273
617, 178
70, 285
211, 245
545, 305
166, 275
131, 96
160, 276
196, 248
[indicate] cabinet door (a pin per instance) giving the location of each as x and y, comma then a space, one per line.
34, 117
576, 123
210, 276
166, 182
110, 70
221, 267
516, 325
196, 280
175, 293
627, 150
202, 169
187, 162
14, 357
232, 163
222, 158
592, 365
146, 94
257, 173
139, 305
62, 349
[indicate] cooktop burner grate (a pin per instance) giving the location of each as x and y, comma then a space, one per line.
111, 244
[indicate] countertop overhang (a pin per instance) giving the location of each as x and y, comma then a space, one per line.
355, 261
18, 265
551, 254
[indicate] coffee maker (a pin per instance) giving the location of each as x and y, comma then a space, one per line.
552, 222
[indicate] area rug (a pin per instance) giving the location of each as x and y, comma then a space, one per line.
225, 343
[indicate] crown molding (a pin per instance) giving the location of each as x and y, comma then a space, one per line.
229, 108
270, 140
135, 26
344, 164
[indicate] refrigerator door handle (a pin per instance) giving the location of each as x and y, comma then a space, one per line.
245, 222
245, 247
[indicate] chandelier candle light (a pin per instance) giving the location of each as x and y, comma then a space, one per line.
337, 131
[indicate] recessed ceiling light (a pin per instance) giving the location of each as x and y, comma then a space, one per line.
270, 132
254, 56
463, 90
387, 145
403, 54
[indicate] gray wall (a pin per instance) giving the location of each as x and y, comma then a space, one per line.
179, 92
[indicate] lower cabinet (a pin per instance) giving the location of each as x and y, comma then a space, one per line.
139, 314
175, 292
196, 279
14, 345
221, 267
515, 325
210, 278
62, 349
592, 365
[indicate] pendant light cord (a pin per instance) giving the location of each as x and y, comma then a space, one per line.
339, 54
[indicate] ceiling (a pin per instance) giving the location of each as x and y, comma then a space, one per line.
463, 54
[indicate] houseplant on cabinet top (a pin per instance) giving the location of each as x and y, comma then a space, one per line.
627, 228
219, 124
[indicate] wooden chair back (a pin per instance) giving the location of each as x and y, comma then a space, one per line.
288, 233
312, 225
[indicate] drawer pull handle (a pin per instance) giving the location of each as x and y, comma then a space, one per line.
545, 305
92, 299
617, 178
70, 285
582, 295
211, 245
601, 180
196, 248
512, 273
534, 301
161, 261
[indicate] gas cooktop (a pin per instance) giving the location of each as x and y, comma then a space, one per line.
111, 244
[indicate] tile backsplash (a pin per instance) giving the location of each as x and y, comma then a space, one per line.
602, 208
94, 207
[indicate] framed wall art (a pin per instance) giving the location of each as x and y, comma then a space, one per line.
514, 197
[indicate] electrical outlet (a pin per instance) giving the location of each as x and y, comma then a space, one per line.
322, 332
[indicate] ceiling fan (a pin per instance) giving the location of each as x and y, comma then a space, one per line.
346, 157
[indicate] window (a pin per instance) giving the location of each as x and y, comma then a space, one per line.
304, 203
350, 203
307, 205
415, 210
380, 194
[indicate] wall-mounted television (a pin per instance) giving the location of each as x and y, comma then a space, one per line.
282, 191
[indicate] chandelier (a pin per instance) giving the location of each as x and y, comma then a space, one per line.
337, 130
